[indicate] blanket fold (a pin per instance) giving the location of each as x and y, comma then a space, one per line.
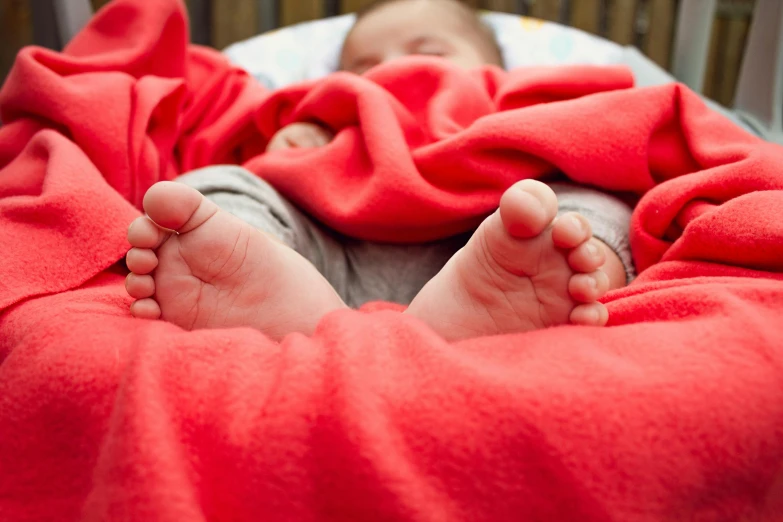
674, 412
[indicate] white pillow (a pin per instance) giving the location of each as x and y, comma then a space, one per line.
311, 50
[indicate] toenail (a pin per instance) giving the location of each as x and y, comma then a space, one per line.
593, 283
592, 250
577, 223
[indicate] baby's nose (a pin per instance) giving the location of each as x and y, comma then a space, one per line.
393, 55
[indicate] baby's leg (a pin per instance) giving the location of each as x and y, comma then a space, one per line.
522, 270
218, 271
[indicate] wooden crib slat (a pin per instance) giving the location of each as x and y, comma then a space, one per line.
16, 31
727, 44
737, 29
200, 21
660, 32
586, 15
713, 68
44, 17
351, 6
546, 10
503, 6
233, 20
300, 11
268, 15
621, 22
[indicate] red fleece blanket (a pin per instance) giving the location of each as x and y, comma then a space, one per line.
673, 412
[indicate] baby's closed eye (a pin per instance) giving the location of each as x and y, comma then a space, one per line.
431, 50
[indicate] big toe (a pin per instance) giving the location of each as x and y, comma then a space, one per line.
527, 208
177, 207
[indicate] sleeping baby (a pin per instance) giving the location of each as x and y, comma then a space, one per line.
220, 248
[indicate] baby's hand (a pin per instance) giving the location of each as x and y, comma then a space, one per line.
300, 136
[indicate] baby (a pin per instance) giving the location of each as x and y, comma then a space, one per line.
243, 256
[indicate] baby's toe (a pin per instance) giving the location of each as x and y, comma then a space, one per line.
571, 230
527, 208
141, 260
139, 286
587, 288
145, 309
143, 233
175, 206
593, 314
587, 257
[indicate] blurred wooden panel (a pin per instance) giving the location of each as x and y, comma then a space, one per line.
660, 31
727, 44
621, 21
233, 20
586, 15
268, 15
16, 31
200, 18
503, 6
295, 11
46, 32
713, 70
546, 10
734, 45
350, 6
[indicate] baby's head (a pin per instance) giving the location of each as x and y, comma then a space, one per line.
390, 29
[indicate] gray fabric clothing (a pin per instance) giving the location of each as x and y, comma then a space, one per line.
362, 271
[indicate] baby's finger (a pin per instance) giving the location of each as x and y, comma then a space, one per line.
308, 136
320, 137
278, 142
305, 139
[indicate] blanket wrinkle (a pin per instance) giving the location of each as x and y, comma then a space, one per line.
673, 412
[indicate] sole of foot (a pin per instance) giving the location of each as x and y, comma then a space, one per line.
197, 266
523, 269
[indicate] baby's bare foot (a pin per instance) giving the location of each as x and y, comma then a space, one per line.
522, 270
217, 271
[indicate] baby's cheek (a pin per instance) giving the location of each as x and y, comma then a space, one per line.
467, 59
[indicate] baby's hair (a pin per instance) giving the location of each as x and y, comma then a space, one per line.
471, 15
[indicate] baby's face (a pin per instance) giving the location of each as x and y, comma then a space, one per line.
413, 27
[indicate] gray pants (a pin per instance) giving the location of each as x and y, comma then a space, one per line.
362, 271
